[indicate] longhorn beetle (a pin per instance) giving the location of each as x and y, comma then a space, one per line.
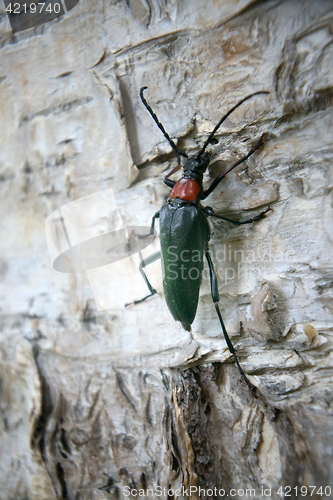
184, 229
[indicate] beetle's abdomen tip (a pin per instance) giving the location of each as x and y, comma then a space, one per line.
186, 326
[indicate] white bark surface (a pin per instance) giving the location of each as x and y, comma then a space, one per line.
95, 397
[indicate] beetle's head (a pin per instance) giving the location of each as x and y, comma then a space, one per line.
197, 164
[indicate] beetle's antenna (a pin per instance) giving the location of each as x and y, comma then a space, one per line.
211, 135
160, 126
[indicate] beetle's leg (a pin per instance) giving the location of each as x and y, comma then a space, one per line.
152, 226
144, 263
218, 179
166, 179
216, 298
169, 182
175, 169
262, 214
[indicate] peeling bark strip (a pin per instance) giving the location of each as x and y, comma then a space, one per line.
95, 400
49, 438
190, 412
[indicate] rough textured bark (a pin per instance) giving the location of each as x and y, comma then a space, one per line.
96, 397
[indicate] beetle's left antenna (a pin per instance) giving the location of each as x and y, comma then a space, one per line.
211, 135
160, 126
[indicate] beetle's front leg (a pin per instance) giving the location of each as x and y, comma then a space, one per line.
211, 213
216, 298
169, 182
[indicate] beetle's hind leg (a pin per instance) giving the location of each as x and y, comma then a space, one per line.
216, 298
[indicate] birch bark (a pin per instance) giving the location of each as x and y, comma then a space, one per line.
97, 400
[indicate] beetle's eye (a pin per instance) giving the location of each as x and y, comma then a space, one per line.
213, 141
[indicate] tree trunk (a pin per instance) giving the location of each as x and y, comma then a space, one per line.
102, 401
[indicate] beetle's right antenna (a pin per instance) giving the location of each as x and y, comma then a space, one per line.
160, 126
211, 135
